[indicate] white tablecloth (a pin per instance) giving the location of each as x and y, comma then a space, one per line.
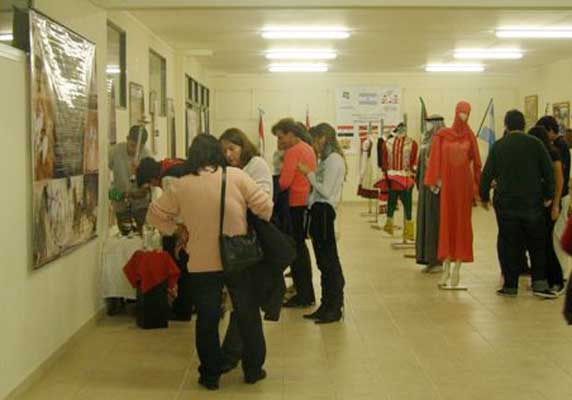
116, 253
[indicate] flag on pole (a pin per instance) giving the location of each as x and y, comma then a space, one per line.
423, 124
261, 132
487, 130
307, 117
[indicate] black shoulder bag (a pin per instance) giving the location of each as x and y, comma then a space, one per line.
241, 252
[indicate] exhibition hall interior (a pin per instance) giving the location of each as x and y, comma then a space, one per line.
286, 199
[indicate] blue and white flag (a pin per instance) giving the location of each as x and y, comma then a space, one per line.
487, 131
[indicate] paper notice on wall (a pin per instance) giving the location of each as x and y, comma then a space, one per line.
357, 106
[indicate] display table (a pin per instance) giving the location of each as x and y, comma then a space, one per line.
117, 251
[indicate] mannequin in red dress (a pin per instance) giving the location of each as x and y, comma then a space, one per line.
454, 168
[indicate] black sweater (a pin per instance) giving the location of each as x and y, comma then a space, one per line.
523, 172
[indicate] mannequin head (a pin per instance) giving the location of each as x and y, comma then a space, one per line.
462, 115
400, 130
463, 111
435, 123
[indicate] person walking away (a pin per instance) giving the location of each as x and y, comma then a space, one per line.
524, 176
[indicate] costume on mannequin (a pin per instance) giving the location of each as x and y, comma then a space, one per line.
366, 187
427, 241
399, 165
455, 168
381, 183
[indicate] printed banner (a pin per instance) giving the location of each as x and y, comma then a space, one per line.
65, 139
357, 106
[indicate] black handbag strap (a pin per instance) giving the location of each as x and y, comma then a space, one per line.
222, 199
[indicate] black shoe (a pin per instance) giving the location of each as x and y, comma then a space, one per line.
228, 365
294, 302
545, 294
209, 383
316, 314
251, 379
508, 292
330, 317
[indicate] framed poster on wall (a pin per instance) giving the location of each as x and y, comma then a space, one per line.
561, 111
65, 139
136, 104
531, 110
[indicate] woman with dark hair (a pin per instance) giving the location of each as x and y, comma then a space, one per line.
196, 200
554, 272
327, 183
241, 153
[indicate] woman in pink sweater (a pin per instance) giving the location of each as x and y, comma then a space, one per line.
195, 199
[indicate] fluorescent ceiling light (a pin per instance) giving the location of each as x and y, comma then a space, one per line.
306, 33
301, 55
113, 70
298, 67
488, 54
6, 37
535, 33
454, 68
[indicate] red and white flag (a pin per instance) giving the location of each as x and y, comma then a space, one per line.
261, 132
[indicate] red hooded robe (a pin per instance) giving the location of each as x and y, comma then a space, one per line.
455, 163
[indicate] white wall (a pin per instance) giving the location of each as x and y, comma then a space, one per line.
237, 97
40, 310
552, 83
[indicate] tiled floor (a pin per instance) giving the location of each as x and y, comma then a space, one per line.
401, 339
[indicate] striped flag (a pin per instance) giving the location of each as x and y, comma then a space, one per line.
261, 132
487, 130
308, 118
423, 124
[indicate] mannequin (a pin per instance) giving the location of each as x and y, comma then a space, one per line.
455, 170
366, 173
428, 204
399, 164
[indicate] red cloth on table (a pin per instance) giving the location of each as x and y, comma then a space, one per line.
566, 239
147, 269
452, 153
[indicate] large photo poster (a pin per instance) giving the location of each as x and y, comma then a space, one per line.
64, 139
357, 106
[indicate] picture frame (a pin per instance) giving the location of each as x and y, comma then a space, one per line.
561, 111
531, 110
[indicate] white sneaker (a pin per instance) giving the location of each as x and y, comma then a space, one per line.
432, 269
558, 289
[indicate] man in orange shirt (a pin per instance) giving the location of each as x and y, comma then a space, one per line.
290, 140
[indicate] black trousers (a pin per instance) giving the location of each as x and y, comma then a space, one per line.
302, 266
522, 229
206, 294
327, 258
554, 273
502, 250
244, 339
182, 305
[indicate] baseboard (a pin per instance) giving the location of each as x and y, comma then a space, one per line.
41, 370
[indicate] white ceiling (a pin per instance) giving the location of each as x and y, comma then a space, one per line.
138, 4
383, 39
